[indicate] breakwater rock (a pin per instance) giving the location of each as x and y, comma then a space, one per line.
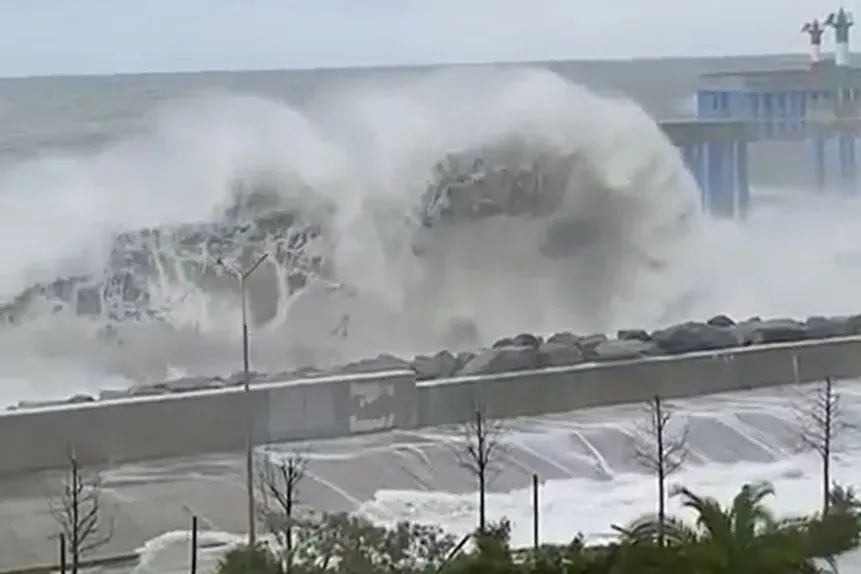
147, 270
527, 351
130, 285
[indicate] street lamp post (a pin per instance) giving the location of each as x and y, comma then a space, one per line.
242, 276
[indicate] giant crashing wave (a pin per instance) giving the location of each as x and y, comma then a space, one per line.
581, 225
465, 187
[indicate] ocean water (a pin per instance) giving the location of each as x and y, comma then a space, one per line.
89, 167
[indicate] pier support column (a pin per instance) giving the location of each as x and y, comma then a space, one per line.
741, 179
719, 176
847, 161
694, 158
715, 154
816, 151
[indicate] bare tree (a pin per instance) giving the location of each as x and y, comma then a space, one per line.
279, 493
480, 456
821, 423
660, 450
78, 510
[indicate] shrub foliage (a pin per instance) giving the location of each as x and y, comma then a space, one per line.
744, 537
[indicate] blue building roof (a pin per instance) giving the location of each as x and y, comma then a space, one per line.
794, 76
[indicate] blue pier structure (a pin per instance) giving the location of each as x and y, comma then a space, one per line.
816, 105
716, 154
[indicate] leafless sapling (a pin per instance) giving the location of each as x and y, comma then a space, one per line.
279, 493
821, 423
79, 512
661, 450
481, 455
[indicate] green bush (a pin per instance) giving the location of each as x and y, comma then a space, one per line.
250, 560
741, 538
839, 529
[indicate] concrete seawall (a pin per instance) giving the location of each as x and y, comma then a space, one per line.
128, 430
565, 389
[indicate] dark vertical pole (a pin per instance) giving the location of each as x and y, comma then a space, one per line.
482, 469
535, 512
76, 521
194, 544
289, 541
62, 542
249, 416
827, 435
660, 460
242, 276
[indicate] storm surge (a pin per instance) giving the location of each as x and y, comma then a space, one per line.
400, 215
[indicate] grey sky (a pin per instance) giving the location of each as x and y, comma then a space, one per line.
105, 36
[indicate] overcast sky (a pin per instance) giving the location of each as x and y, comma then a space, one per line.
107, 36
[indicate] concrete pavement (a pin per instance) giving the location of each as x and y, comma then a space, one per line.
150, 499
142, 501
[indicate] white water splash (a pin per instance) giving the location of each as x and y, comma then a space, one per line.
366, 151
373, 146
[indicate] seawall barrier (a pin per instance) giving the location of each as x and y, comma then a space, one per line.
564, 389
214, 421
205, 422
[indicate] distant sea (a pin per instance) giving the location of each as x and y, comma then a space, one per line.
76, 114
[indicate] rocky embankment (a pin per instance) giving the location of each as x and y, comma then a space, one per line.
527, 351
466, 187
182, 256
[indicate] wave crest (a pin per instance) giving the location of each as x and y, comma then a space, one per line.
475, 201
